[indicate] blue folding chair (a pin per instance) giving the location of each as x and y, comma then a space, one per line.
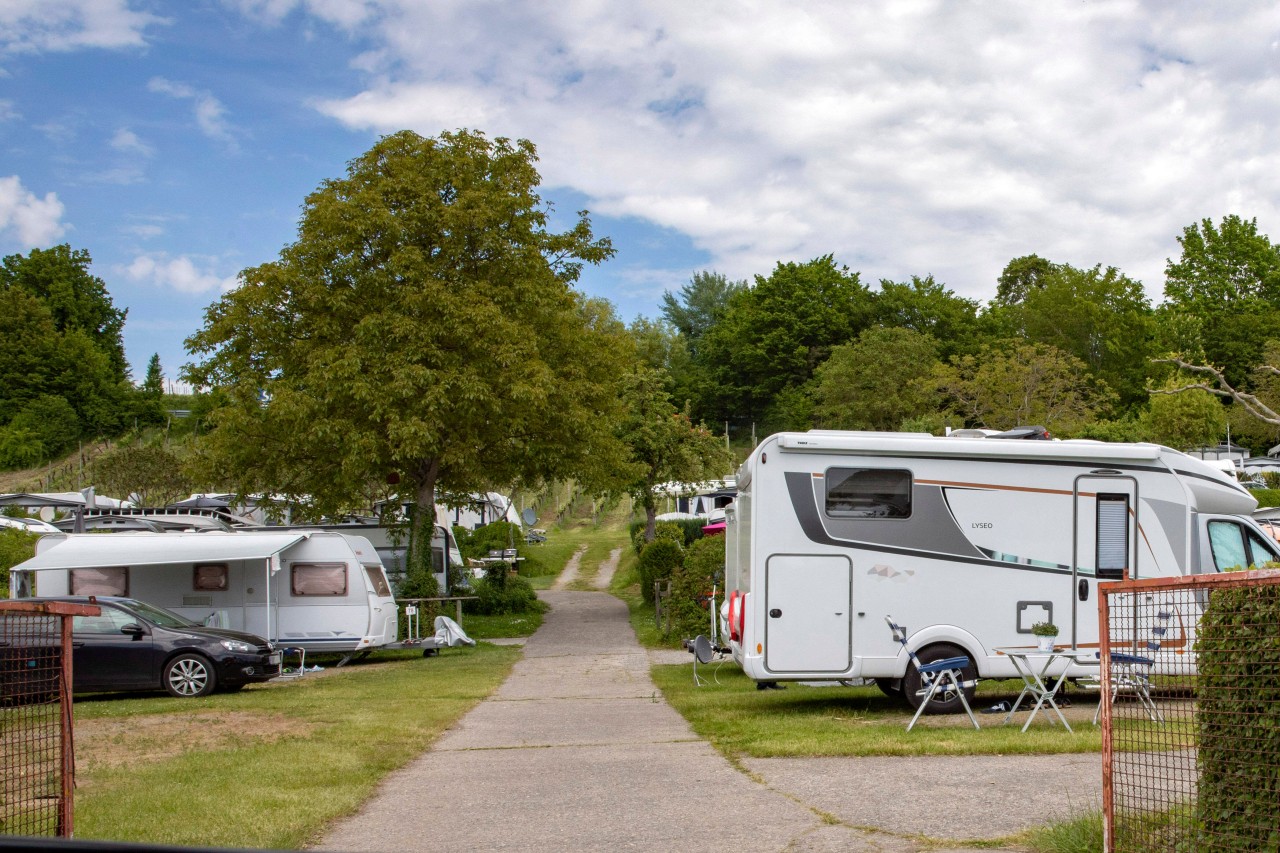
1132, 672
938, 677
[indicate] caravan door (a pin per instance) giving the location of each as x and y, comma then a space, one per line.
808, 627
383, 615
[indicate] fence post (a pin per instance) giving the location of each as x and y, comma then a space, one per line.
1104, 696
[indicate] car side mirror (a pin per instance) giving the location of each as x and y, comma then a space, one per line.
132, 628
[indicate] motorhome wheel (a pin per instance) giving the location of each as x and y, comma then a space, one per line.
950, 704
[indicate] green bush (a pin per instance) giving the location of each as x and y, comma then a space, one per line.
15, 547
692, 584
1238, 692
686, 531
1266, 497
657, 562
502, 594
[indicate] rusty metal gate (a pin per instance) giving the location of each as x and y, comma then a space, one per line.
1190, 712
35, 717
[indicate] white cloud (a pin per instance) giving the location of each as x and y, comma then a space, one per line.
7, 111
36, 222
127, 142
904, 136
210, 114
183, 274
62, 25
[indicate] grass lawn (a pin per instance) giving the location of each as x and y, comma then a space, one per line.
272, 765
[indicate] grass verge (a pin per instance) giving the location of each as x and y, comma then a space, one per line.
273, 765
807, 721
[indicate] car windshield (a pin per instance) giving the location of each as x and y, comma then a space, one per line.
158, 615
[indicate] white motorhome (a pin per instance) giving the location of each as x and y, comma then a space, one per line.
966, 541
319, 591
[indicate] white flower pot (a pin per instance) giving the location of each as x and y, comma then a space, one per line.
1046, 643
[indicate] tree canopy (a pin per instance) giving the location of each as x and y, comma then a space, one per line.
424, 325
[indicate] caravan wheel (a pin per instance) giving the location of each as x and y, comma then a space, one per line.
950, 701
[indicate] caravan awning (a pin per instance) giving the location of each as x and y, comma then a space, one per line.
88, 550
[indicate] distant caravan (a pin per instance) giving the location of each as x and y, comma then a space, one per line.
314, 590
967, 542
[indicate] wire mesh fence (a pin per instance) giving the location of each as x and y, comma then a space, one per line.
35, 717
1190, 713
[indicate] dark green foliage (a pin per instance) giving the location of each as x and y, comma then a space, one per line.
52, 421
495, 536
691, 587
15, 547
657, 561
502, 593
1266, 497
152, 473
684, 531
1238, 694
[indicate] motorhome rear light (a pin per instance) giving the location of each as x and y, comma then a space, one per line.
759, 648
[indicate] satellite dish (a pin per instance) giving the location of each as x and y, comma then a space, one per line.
528, 516
702, 650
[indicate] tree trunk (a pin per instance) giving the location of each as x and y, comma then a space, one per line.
423, 521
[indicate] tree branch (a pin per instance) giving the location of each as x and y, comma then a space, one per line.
1251, 404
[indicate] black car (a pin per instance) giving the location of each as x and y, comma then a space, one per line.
133, 645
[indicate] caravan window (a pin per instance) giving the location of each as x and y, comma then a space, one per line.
868, 493
378, 581
104, 581
210, 577
318, 578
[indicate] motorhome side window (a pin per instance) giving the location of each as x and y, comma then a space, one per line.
868, 493
210, 577
318, 578
112, 580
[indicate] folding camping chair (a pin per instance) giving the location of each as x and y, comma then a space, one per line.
1132, 672
939, 676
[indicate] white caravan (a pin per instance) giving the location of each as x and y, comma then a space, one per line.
965, 541
319, 591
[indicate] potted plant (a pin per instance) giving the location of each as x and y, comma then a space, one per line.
1045, 633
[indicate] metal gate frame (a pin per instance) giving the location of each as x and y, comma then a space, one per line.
64, 611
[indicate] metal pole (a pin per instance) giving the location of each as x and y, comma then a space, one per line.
66, 807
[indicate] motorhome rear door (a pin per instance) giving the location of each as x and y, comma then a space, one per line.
807, 625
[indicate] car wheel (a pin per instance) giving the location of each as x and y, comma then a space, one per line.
944, 701
189, 675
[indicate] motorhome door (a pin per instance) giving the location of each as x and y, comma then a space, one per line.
807, 621
1105, 536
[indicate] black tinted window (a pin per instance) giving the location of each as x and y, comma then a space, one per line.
868, 493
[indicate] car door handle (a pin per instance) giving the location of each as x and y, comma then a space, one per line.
78, 645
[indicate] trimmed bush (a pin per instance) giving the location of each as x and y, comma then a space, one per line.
691, 585
502, 593
657, 561
1238, 692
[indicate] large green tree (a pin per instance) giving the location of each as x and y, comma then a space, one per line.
1017, 384
662, 444
1228, 277
756, 363
1100, 316
878, 381
76, 299
424, 325
700, 304
929, 308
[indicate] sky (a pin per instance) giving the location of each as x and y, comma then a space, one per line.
177, 141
